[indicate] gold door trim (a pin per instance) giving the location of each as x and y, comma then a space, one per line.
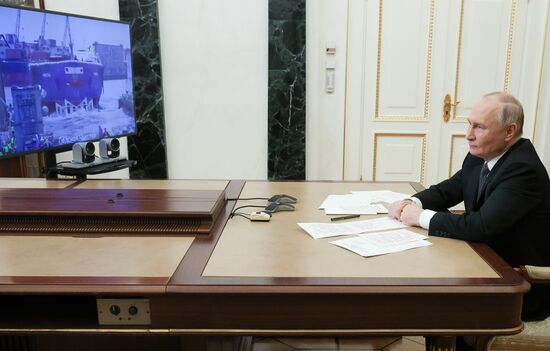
537, 105
414, 135
464, 119
453, 137
458, 54
345, 96
509, 48
425, 116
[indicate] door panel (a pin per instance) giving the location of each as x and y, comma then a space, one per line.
403, 58
399, 156
405, 30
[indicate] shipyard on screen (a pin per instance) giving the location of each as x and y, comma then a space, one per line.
63, 79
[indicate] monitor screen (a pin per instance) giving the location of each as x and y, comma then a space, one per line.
63, 79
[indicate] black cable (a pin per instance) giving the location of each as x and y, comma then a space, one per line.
249, 198
234, 212
240, 214
245, 206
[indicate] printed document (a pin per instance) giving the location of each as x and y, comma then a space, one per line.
383, 243
360, 202
380, 196
325, 230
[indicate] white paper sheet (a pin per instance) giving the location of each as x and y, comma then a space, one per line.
325, 230
360, 202
355, 209
383, 243
380, 196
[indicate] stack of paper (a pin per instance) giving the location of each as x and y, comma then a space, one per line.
382, 243
360, 202
325, 230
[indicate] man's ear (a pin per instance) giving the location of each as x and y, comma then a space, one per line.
511, 131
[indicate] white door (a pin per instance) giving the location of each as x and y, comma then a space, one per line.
405, 56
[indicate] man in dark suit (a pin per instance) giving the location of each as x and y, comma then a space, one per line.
506, 193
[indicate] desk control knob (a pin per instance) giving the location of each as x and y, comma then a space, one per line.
132, 310
114, 309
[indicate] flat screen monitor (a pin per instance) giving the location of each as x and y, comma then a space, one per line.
63, 79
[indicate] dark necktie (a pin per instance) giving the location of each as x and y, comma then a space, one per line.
482, 179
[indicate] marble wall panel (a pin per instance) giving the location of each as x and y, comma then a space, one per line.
287, 88
148, 145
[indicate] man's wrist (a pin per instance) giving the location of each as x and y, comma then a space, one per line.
425, 218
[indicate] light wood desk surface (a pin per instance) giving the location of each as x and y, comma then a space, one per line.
6, 182
280, 248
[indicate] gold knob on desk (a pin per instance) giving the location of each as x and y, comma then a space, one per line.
447, 107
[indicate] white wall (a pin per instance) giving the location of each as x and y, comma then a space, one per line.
326, 21
214, 68
97, 8
542, 141
214, 63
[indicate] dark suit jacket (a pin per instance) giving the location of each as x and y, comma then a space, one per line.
512, 214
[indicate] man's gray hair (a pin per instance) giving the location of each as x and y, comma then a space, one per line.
510, 110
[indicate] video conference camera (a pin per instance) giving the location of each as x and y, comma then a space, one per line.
109, 148
83, 152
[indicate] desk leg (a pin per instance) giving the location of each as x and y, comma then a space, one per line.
440, 343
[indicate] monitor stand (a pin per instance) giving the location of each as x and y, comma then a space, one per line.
80, 171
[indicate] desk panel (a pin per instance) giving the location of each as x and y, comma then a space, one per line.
36, 183
41, 262
280, 248
177, 184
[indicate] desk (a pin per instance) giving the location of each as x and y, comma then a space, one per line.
254, 278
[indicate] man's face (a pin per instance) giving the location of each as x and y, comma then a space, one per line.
486, 137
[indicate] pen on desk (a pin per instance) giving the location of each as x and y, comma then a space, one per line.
344, 217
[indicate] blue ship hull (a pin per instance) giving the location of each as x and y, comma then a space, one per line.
15, 73
70, 80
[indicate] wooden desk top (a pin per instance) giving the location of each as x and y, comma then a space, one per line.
273, 255
35, 183
278, 256
178, 184
58, 256
280, 248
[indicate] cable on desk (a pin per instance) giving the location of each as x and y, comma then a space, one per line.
240, 214
248, 198
244, 206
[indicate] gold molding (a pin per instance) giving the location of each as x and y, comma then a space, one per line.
427, 84
414, 135
509, 48
378, 59
537, 105
453, 137
458, 54
219, 331
345, 96
464, 119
